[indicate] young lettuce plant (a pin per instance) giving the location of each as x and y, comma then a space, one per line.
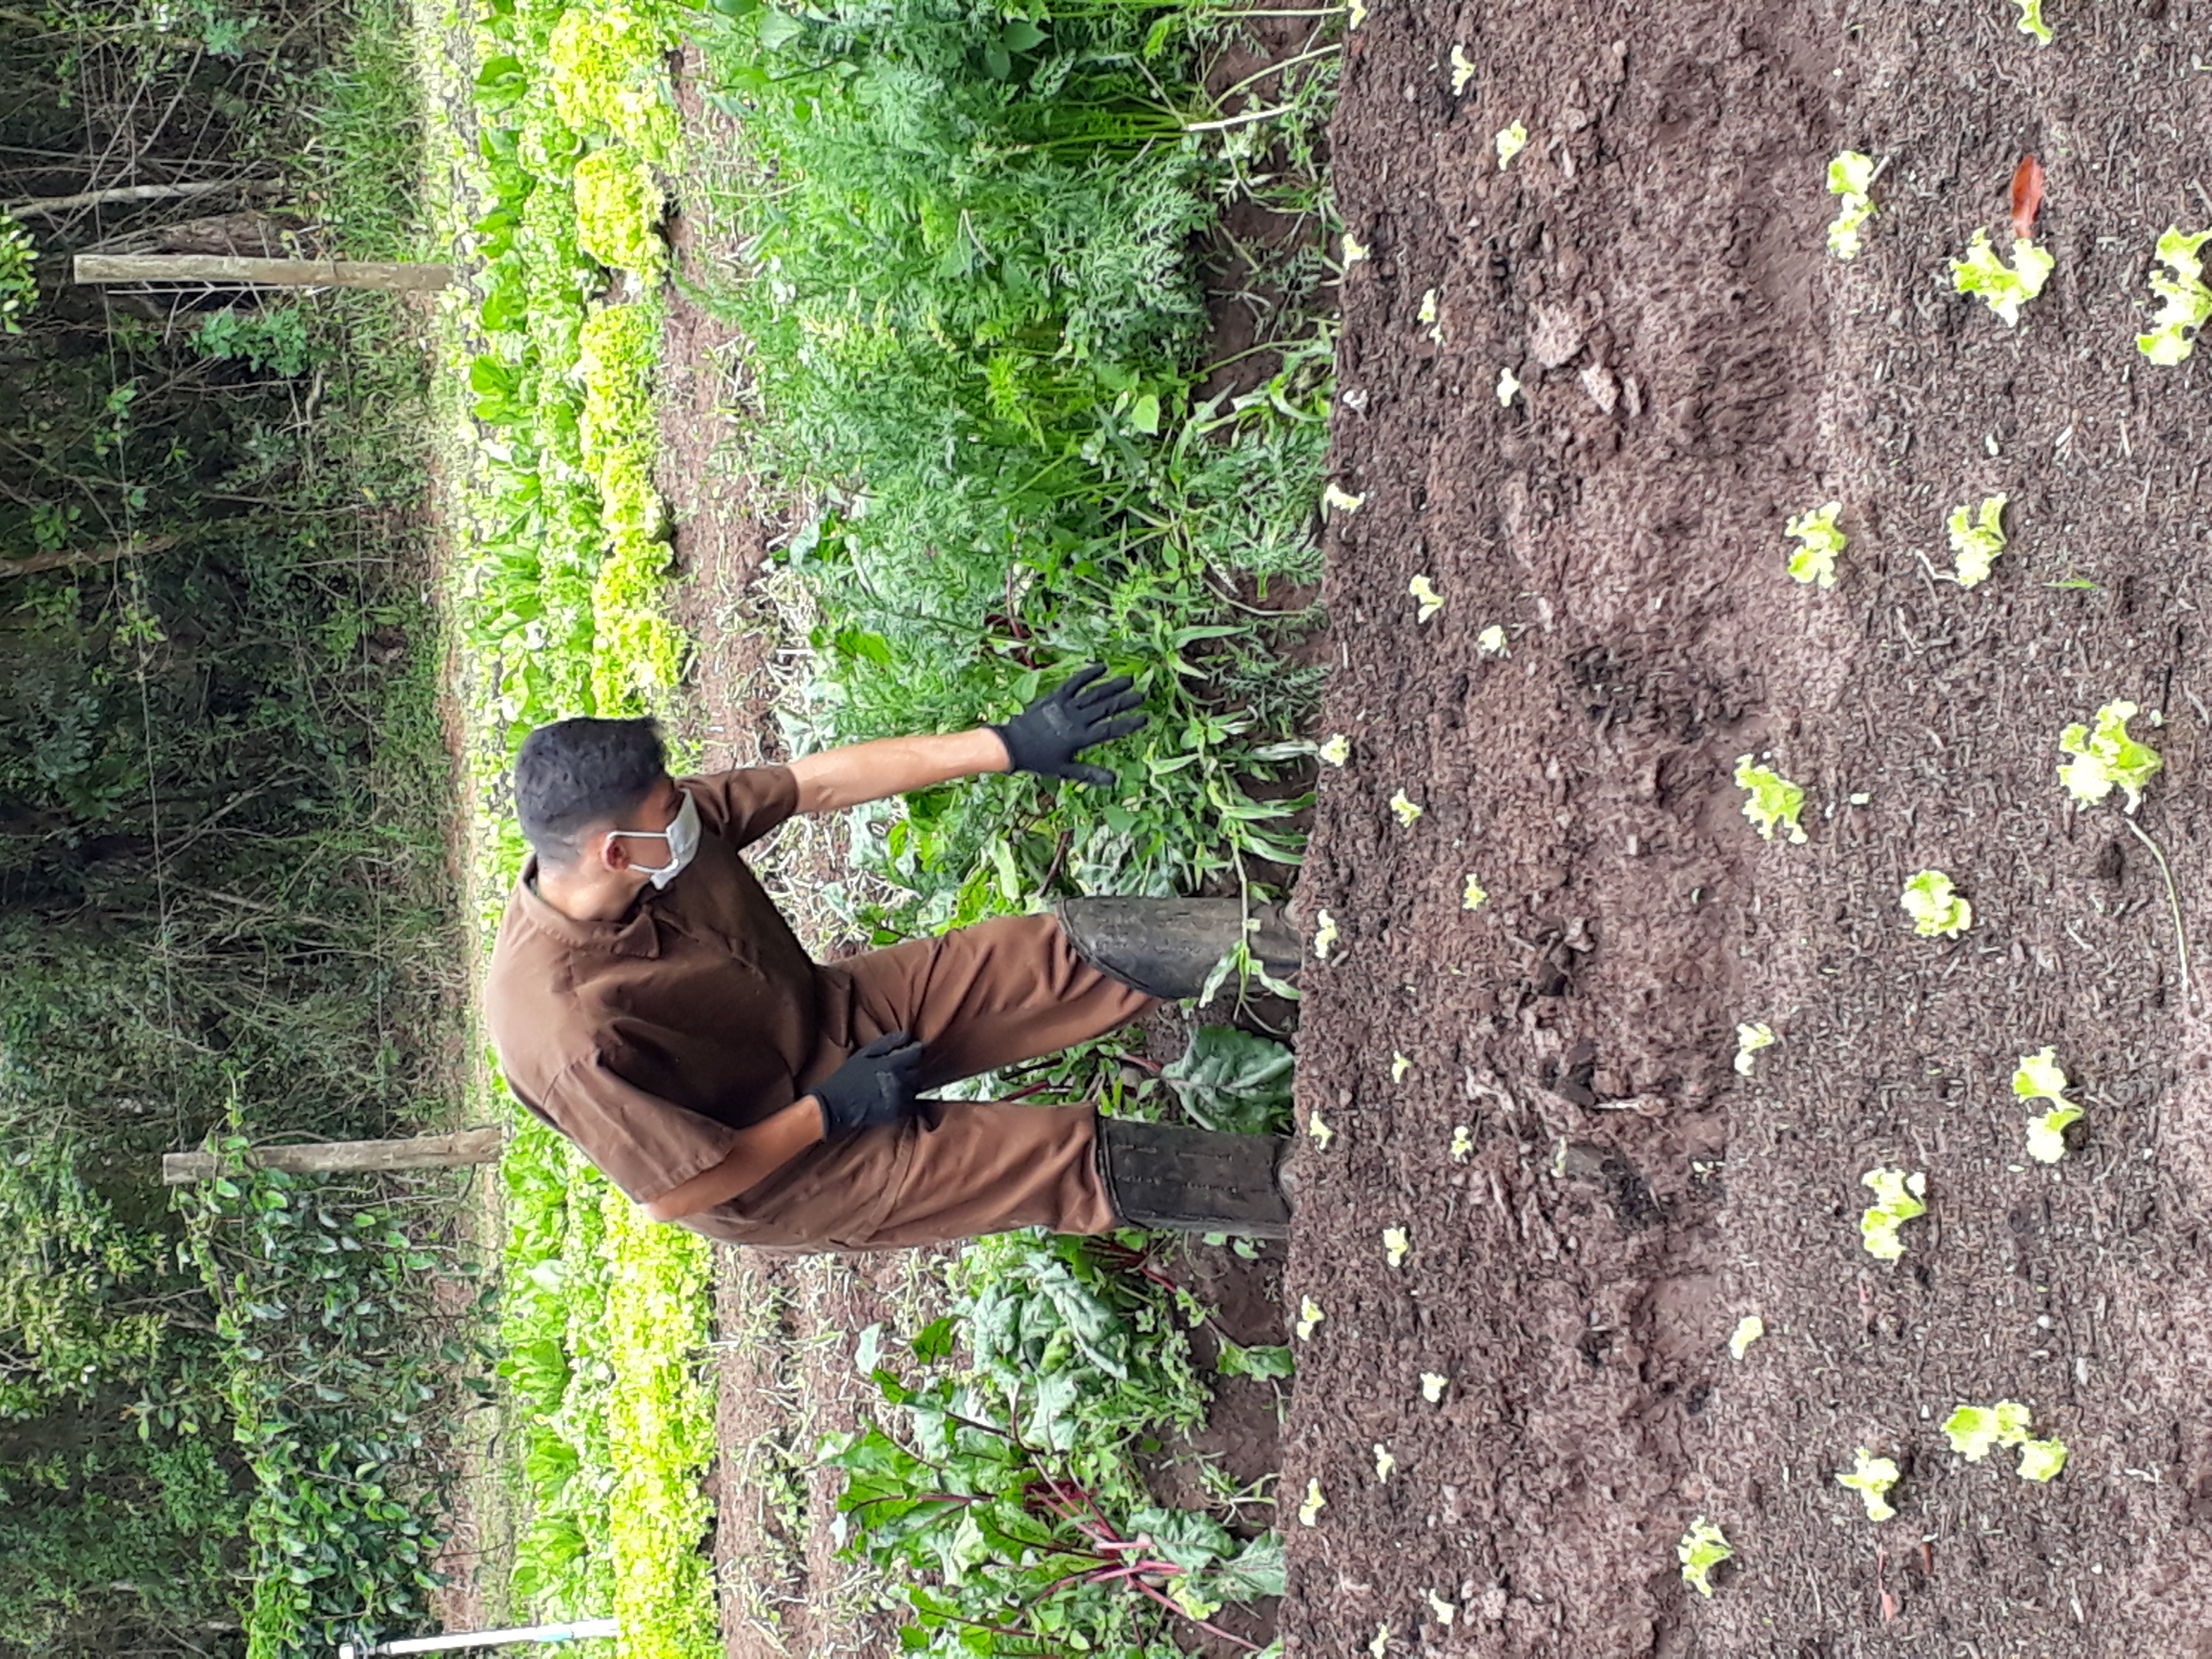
1702, 1549
2038, 1077
1937, 909
1425, 595
1898, 1198
2186, 300
2031, 20
1749, 1040
1815, 561
1975, 1431
1976, 541
1774, 800
2105, 757
1850, 176
1871, 1477
2004, 288
1511, 142
1748, 1330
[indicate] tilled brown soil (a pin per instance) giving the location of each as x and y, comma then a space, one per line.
1697, 370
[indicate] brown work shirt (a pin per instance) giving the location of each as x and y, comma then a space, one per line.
649, 1041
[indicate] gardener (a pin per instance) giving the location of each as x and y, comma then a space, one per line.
649, 1002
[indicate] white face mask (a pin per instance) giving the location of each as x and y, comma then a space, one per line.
683, 838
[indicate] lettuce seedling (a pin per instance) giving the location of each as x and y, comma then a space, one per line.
1310, 1315
2039, 1460
1385, 1465
1354, 249
1748, 1330
1491, 640
1433, 1384
1462, 1143
2186, 301
1774, 800
1336, 750
1309, 1510
2038, 1078
1342, 500
1976, 542
1871, 1478
1397, 1246
1511, 142
1462, 70
1425, 591
1972, 1430
2105, 756
1851, 175
1325, 933
1749, 1040
2031, 20
2004, 288
1702, 1549
1407, 808
1898, 1198
1399, 1067
1380, 1647
1320, 1132
1509, 386
1935, 907
1473, 895
1815, 561
1441, 1610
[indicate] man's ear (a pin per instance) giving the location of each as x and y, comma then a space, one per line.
610, 851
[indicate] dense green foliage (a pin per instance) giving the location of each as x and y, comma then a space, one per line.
223, 899
978, 322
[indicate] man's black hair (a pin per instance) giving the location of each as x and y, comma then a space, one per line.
577, 774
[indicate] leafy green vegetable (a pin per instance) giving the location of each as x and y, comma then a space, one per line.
1851, 175
1431, 601
1473, 896
1871, 1478
1399, 1067
2003, 289
1407, 808
1433, 1384
2040, 1460
1976, 542
1343, 500
2186, 301
1310, 1508
1774, 799
1937, 909
2105, 756
1325, 934
1511, 141
1444, 1611
1462, 1143
1508, 386
2037, 1076
1815, 561
1309, 1315
1972, 1430
1748, 1330
1462, 70
2031, 20
1232, 1081
1385, 1464
1320, 1132
1336, 750
1354, 249
1898, 1198
1491, 640
1397, 1246
1749, 1040
1702, 1549
618, 203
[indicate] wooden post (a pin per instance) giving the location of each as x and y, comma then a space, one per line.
269, 273
451, 1151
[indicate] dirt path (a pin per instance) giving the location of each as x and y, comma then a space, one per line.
1696, 371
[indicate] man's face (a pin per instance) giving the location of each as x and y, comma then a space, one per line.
652, 816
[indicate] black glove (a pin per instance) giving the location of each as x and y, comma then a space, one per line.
1045, 737
873, 1088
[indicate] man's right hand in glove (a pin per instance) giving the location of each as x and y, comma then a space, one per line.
1083, 709
874, 1088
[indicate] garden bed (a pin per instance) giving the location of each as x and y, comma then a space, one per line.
1697, 370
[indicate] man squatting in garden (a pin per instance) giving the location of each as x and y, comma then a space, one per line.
649, 1002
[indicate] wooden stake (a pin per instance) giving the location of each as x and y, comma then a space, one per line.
268, 273
449, 1151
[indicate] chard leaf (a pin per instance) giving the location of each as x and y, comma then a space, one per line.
1232, 1081
2105, 756
1976, 542
1935, 907
2004, 288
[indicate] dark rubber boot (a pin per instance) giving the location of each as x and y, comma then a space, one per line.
1168, 947
1193, 1181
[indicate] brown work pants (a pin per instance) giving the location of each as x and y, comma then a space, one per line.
978, 998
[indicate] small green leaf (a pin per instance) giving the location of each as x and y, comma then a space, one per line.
1815, 561
1773, 800
1871, 1477
1702, 1549
2105, 756
1936, 910
1898, 1199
